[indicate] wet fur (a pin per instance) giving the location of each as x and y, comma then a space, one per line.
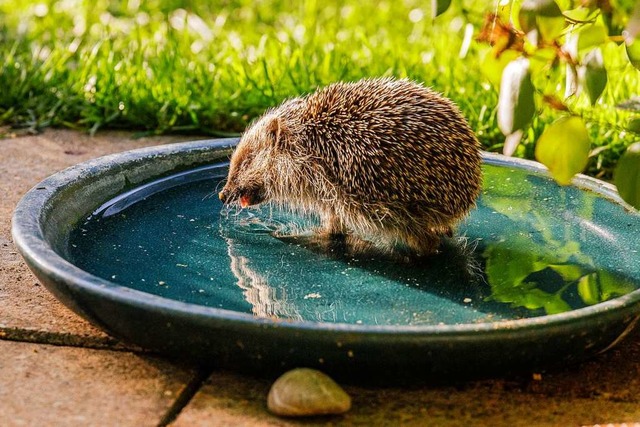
387, 160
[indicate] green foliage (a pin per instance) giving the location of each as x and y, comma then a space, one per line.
515, 263
214, 66
438, 7
577, 47
515, 105
564, 148
595, 75
633, 53
211, 67
627, 176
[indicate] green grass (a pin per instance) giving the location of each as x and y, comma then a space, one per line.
211, 67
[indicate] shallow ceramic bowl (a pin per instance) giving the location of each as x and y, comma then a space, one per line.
44, 218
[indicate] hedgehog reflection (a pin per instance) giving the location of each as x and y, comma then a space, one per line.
266, 279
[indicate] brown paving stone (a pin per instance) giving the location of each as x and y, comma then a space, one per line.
229, 399
613, 375
28, 311
605, 389
43, 385
46, 385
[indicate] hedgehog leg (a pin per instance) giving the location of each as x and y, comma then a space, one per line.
332, 225
423, 244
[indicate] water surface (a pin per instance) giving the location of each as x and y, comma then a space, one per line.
530, 248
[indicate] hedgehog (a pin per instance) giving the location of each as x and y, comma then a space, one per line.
386, 160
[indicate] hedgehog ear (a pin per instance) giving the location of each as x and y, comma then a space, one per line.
276, 131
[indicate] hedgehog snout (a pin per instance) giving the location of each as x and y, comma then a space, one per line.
247, 196
223, 196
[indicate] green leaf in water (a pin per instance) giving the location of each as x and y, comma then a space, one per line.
564, 148
508, 265
515, 103
612, 286
588, 289
627, 175
569, 272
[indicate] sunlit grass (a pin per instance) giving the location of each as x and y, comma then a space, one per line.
210, 67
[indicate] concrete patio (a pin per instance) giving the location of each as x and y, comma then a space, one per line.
56, 369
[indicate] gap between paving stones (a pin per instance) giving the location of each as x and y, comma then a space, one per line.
607, 380
185, 397
111, 344
36, 336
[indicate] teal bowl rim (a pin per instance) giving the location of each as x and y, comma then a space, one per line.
29, 238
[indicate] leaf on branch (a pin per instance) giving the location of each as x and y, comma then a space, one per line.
595, 75
633, 125
591, 35
581, 15
564, 147
627, 175
547, 8
438, 7
492, 67
633, 52
500, 35
542, 17
515, 102
511, 143
631, 34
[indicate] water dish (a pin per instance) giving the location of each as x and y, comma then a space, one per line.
539, 274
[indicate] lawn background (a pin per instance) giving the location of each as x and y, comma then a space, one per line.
211, 67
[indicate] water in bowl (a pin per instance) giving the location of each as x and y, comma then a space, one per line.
530, 248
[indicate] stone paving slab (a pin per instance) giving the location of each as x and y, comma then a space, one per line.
59, 385
44, 385
229, 399
28, 311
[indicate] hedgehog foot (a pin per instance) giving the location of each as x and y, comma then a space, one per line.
332, 226
423, 245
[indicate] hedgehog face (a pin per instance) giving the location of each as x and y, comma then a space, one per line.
249, 180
